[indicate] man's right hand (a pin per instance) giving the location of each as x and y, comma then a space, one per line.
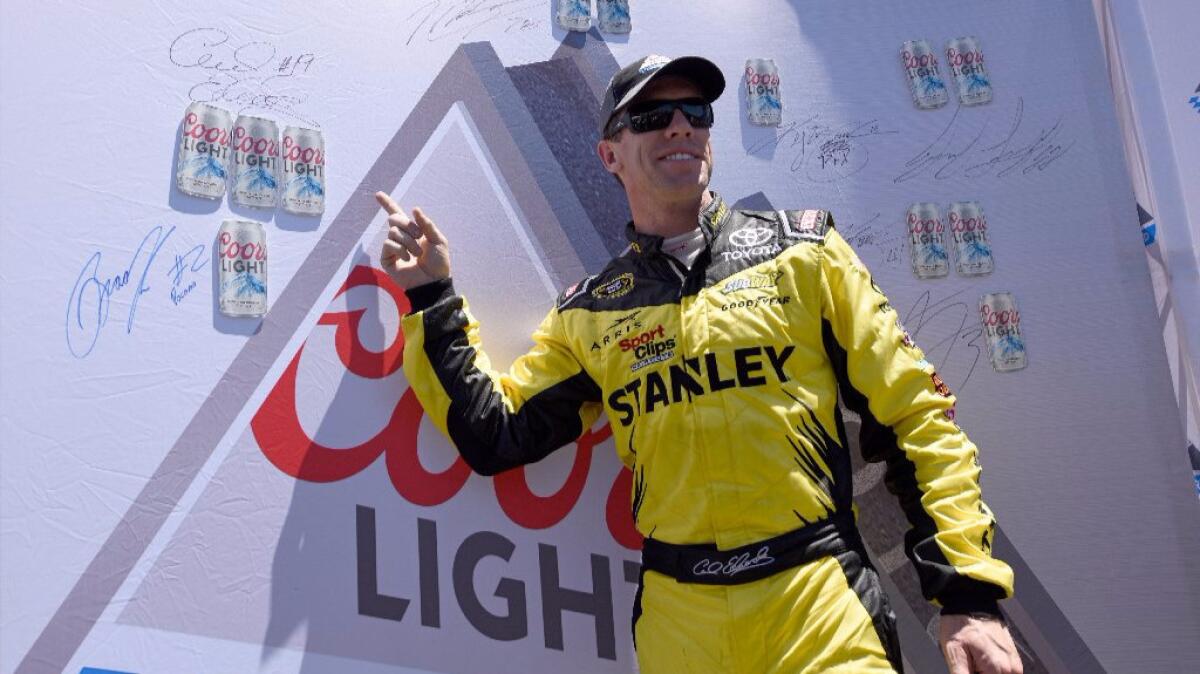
415, 252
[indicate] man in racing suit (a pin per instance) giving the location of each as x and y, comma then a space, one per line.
719, 344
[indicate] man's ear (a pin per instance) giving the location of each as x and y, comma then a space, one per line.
608, 156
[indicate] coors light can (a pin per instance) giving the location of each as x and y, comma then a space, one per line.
924, 76
927, 235
968, 227
613, 16
762, 92
303, 171
203, 163
965, 59
255, 158
242, 253
1002, 325
575, 15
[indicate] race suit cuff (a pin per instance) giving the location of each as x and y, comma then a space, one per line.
975, 607
426, 295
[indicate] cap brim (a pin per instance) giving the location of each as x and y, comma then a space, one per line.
704, 73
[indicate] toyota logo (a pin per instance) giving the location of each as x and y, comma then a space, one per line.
748, 238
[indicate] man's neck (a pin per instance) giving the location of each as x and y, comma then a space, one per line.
667, 219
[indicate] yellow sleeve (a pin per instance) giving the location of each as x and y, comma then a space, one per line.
907, 416
497, 421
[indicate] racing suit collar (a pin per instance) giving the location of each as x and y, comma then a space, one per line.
711, 219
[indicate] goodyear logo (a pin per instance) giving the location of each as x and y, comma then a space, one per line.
617, 287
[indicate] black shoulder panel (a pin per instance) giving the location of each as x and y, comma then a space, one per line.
750, 238
624, 284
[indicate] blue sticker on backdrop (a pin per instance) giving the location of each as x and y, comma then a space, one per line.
1149, 228
93, 670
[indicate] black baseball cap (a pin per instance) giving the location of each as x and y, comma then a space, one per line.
630, 80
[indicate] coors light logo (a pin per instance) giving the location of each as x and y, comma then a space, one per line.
255, 151
203, 162
968, 227
927, 235
242, 251
1002, 326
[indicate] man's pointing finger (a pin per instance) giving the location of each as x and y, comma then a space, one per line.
385, 200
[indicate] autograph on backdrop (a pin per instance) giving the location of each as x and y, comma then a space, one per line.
1009, 152
824, 153
244, 75
90, 303
440, 19
885, 240
958, 321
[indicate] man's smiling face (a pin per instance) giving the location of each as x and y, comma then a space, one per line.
673, 163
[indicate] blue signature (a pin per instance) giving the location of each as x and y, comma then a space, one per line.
198, 262
88, 306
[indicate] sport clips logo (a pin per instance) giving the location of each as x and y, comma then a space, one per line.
652, 346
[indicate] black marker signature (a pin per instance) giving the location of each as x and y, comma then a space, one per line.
887, 241
824, 153
88, 305
948, 156
440, 19
955, 314
243, 74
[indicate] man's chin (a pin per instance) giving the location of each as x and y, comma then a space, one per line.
692, 183
684, 191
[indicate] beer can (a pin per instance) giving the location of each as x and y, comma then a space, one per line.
303, 171
255, 160
203, 164
927, 234
242, 253
965, 59
924, 77
1002, 326
972, 250
762, 92
613, 16
575, 15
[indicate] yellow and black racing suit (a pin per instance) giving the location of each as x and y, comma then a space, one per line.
721, 384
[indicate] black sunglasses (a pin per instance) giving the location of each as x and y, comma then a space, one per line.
657, 115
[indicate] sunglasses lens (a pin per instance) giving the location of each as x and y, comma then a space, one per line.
656, 115
651, 120
699, 115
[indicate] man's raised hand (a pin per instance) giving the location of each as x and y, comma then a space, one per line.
415, 252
